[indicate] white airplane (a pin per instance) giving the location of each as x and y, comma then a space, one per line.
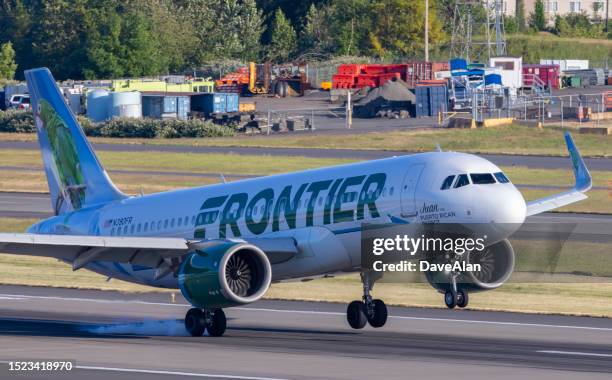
222, 245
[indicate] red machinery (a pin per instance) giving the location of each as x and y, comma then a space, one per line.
374, 75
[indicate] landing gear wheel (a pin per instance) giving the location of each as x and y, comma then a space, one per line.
450, 299
195, 322
217, 323
378, 317
356, 314
462, 298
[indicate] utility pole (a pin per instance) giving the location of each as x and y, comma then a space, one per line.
426, 30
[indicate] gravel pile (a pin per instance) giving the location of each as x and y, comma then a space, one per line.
389, 99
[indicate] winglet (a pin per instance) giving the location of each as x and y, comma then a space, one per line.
583, 184
581, 173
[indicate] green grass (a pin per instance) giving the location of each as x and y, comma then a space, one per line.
512, 139
188, 162
548, 46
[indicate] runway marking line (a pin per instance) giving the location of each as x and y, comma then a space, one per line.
312, 312
173, 373
575, 353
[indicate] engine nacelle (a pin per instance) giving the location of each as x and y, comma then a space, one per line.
224, 275
496, 263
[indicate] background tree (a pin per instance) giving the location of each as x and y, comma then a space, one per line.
538, 19
350, 22
283, 39
316, 36
224, 29
510, 25
7, 61
397, 28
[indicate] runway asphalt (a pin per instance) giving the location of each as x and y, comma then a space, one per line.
114, 335
542, 162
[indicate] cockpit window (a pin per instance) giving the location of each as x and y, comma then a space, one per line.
482, 178
501, 177
448, 182
462, 180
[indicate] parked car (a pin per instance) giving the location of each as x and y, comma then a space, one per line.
20, 101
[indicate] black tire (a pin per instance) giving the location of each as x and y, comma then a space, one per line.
462, 298
218, 323
195, 322
450, 299
356, 315
380, 314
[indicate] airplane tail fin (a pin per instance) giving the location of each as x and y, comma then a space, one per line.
75, 176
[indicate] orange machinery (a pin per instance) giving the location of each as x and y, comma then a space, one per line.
251, 80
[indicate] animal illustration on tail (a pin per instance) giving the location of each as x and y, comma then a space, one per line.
66, 158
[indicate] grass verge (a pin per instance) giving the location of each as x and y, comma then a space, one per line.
512, 139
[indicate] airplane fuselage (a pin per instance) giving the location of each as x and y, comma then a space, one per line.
322, 209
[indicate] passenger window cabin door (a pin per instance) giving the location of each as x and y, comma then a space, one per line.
409, 188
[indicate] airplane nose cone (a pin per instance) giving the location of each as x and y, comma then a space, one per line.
508, 207
507, 211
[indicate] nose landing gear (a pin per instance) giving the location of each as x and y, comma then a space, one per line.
454, 296
372, 311
197, 321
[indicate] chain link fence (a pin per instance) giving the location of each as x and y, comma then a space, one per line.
294, 120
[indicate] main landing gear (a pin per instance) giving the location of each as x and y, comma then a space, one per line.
454, 296
372, 311
197, 321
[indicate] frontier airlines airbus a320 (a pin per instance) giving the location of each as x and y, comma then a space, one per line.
222, 245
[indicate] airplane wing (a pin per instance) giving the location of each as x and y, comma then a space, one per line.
582, 185
151, 252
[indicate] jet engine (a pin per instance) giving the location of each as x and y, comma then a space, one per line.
223, 275
496, 265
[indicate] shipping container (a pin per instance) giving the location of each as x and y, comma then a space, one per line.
548, 74
183, 107
216, 103
422, 101
166, 105
431, 100
420, 70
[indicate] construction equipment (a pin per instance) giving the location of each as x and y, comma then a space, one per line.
251, 80
289, 80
